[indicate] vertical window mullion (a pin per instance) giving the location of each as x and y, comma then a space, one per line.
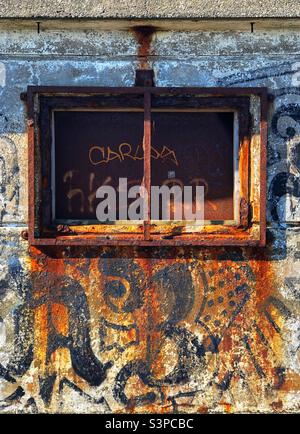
147, 160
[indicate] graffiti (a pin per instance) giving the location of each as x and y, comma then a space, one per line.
285, 184
170, 330
22, 353
9, 178
44, 305
261, 74
283, 142
161, 329
124, 291
292, 283
125, 151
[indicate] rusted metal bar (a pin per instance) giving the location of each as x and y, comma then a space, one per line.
215, 91
220, 240
147, 160
244, 175
263, 165
31, 180
244, 212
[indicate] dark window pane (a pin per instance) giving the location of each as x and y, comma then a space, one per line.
196, 148
94, 148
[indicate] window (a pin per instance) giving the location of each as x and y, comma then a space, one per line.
81, 139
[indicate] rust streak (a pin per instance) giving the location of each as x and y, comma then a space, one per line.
144, 35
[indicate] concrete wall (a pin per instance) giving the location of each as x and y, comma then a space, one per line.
191, 330
149, 9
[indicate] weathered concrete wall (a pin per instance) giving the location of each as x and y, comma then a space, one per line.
191, 330
149, 9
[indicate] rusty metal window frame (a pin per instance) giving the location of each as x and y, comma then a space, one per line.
250, 104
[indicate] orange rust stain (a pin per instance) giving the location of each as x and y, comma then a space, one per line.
35, 266
41, 335
292, 382
227, 407
277, 406
266, 283
151, 314
226, 344
56, 266
265, 279
154, 318
30, 387
144, 35
60, 363
60, 320
232, 348
202, 409
100, 309
35, 260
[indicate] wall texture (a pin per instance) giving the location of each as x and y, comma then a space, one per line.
141, 330
149, 9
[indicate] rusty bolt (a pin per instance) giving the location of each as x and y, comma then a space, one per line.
24, 234
23, 96
30, 122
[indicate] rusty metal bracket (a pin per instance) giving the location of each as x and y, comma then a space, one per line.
244, 212
144, 78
